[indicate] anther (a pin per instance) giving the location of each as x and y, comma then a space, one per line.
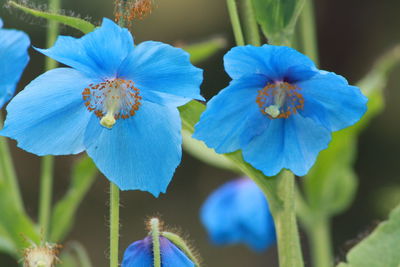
279, 100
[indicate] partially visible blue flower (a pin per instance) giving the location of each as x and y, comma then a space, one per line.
13, 60
118, 103
279, 109
140, 254
238, 212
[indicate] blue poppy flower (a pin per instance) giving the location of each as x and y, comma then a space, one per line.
13, 60
140, 254
118, 103
238, 212
279, 109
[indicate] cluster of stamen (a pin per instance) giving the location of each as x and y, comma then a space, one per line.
112, 100
280, 100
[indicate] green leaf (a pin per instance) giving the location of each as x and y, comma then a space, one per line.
380, 248
17, 225
63, 215
77, 23
74, 255
201, 51
278, 18
331, 184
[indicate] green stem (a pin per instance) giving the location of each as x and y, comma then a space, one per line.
47, 166
46, 186
114, 224
287, 232
7, 170
320, 239
155, 236
250, 24
308, 31
235, 21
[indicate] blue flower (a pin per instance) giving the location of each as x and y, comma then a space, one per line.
118, 103
238, 212
279, 109
140, 254
13, 60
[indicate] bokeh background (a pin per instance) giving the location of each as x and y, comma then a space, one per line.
351, 35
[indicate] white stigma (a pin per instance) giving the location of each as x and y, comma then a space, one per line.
279, 99
273, 111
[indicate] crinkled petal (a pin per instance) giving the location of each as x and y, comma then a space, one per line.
238, 212
266, 151
304, 139
160, 70
14, 58
331, 101
227, 114
172, 256
98, 54
276, 62
48, 116
141, 152
139, 254
292, 143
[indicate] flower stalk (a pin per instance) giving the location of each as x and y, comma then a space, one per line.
235, 21
47, 165
114, 224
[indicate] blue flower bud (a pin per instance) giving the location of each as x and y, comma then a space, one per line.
168, 252
238, 212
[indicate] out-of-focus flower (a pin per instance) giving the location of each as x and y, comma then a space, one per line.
118, 103
279, 109
13, 60
238, 212
142, 252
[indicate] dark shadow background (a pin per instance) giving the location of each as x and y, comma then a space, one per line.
351, 35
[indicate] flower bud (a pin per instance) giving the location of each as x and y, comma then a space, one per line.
41, 256
159, 249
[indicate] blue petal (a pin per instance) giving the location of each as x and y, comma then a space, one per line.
160, 70
331, 101
227, 114
48, 116
98, 54
276, 62
292, 143
266, 151
238, 212
139, 254
1, 23
304, 139
172, 256
141, 152
13, 60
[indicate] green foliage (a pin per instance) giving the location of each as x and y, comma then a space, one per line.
63, 215
380, 248
74, 255
278, 18
73, 22
203, 50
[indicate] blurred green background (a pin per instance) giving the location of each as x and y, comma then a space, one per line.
351, 35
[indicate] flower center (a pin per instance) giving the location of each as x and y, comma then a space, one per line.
112, 100
280, 100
